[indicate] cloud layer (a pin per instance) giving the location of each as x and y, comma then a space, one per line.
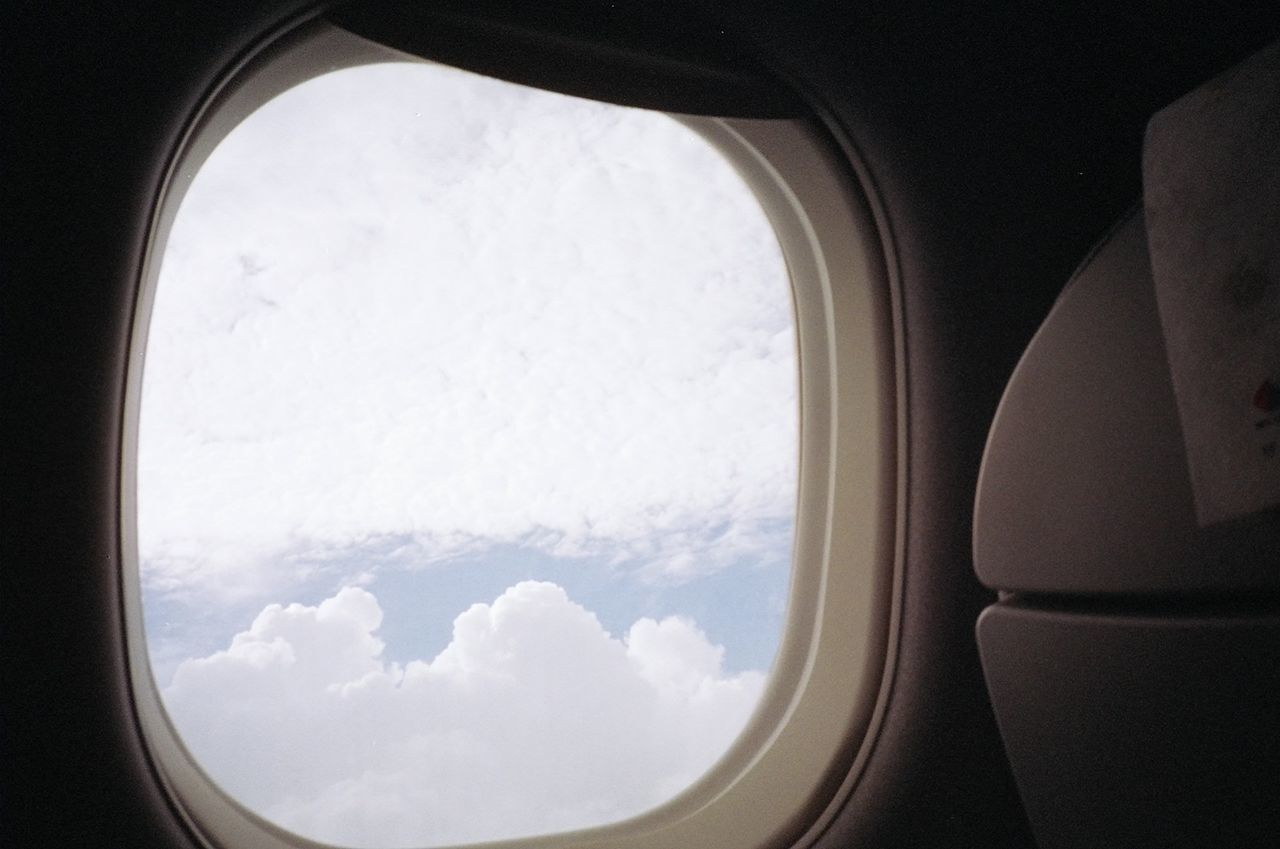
412, 322
533, 720
405, 300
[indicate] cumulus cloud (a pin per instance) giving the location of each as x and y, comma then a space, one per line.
403, 300
532, 720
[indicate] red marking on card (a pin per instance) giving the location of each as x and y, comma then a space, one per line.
1267, 398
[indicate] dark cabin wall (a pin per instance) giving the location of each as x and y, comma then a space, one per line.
999, 142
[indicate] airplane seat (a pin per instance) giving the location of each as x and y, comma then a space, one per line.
1133, 659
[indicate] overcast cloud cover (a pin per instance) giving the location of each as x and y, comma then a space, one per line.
408, 316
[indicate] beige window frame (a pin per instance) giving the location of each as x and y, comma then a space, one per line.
800, 754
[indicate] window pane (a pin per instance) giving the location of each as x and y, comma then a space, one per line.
467, 459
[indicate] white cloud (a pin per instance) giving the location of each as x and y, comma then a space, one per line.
534, 719
405, 300
407, 313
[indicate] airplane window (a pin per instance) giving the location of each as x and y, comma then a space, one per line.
467, 459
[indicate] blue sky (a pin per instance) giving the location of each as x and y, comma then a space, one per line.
440, 365
741, 607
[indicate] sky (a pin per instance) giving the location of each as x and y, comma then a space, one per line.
467, 459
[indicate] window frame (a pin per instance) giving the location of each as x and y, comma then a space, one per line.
800, 755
